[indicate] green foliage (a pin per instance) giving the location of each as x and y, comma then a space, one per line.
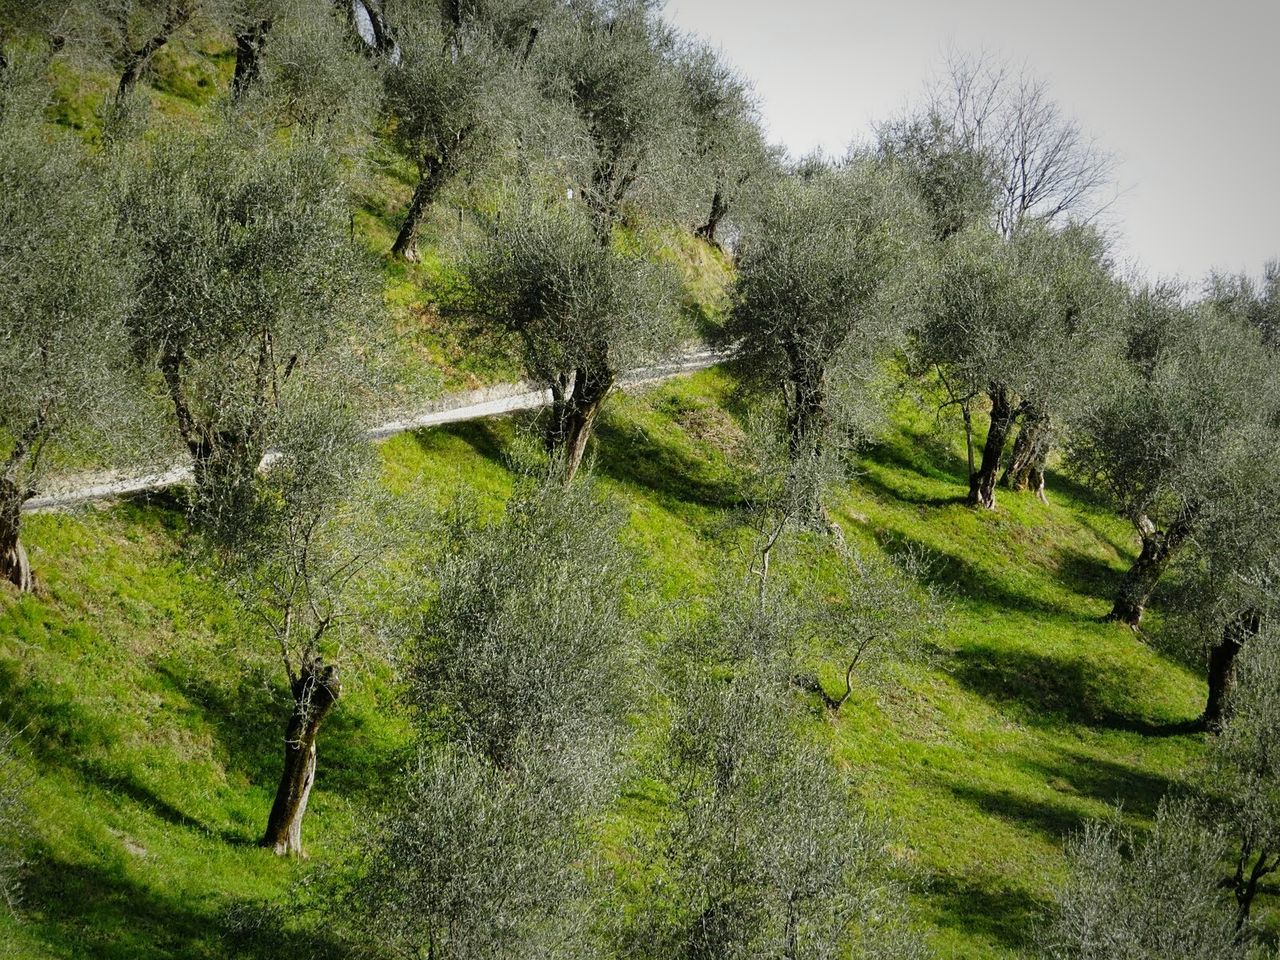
527, 647
253, 293
572, 302
762, 853
479, 861
1154, 898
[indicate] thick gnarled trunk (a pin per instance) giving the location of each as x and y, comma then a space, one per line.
575, 405
315, 692
1222, 659
14, 566
1139, 582
982, 483
1030, 454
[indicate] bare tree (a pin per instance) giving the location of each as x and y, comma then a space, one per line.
65, 288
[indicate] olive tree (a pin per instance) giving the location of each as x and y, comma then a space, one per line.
582, 312
65, 288
762, 850
252, 289
303, 559
1243, 770
516, 670
614, 65
450, 98
1257, 304
821, 298
1028, 322
1144, 898
526, 644
1164, 440
473, 862
728, 146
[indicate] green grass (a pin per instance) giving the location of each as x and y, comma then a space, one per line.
150, 713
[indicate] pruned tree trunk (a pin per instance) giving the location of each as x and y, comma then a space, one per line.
424, 194
982, 483
575, 404
14, 566
718, 209
1139, 582
1030, 454
315, 692
136, 62
1222, 658
249, 45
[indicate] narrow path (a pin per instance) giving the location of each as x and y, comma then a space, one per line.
451, 408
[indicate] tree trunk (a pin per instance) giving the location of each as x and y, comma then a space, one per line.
574, 409
1222, 659
424, 194
982, 484
315, 692
1030, 453
249, 46
1246, 887
14, 566
176, 17
1140, 580
718, 209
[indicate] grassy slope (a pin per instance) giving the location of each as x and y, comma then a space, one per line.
151, 727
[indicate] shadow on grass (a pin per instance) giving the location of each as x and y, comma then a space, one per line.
101, 913
1086, 575
993, 910
964, 577
1049, 691
634, 457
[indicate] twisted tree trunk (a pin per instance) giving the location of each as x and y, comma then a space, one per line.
315, 692
249, 45
718, 209
1222, 658
176, 17
1030, 453
14, 566
1139, 582
575, 405
1004, 414
424, 194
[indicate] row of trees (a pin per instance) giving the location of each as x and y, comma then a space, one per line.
206, 288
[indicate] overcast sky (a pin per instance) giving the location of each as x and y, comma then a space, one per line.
1185, 93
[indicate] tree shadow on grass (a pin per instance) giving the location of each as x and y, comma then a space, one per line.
634, 457
1086, 575
1069, 771
960, 575
1048, 691
489, 438
986, 907
99, 912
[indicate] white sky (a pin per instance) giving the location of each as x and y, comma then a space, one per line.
1185, 94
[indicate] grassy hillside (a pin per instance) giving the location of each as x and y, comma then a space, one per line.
150, 717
